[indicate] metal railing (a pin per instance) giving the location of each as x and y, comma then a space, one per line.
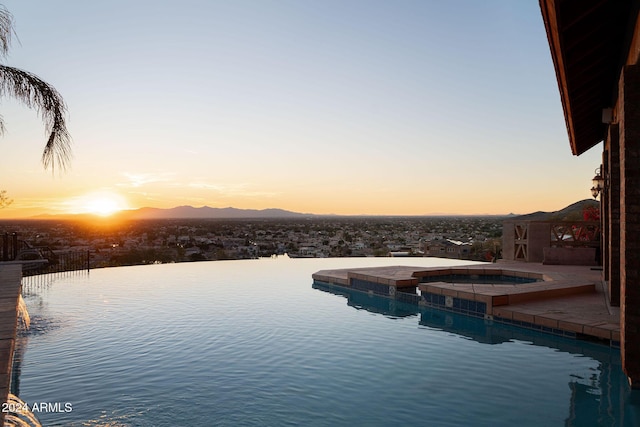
41, 260
575, 234
57, 262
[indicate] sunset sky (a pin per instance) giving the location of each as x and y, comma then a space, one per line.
345, 107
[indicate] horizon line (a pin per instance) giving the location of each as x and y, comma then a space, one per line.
287, 214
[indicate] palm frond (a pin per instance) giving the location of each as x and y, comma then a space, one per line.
6, 30
45, 99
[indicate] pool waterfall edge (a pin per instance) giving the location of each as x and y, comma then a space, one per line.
532, 296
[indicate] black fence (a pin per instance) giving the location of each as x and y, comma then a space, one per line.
10, 246
41, 260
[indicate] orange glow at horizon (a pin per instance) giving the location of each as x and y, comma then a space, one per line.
101, 203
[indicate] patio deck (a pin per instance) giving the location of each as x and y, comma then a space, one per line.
10, 278
568, 300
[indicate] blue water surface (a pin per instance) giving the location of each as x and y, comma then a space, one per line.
256, 343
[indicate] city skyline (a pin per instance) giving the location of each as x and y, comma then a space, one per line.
348, 108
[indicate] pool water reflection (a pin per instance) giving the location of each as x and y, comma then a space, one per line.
252, 342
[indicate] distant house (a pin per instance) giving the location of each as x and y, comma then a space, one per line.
358, 246
447, 248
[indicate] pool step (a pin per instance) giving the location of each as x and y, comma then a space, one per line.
497, 295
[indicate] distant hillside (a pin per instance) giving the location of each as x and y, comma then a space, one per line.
206, 212
572, 212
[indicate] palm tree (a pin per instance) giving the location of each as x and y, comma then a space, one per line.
38, 95
4, 199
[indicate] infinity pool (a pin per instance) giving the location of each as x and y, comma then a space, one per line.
253, 343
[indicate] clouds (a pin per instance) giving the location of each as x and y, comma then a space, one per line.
136, 180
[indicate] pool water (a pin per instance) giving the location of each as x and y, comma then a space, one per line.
254, 343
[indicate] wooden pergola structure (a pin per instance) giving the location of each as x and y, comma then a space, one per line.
595, 46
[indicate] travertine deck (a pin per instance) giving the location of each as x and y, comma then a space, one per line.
10, 276
569, 298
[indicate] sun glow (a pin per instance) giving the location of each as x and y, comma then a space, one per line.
100, 203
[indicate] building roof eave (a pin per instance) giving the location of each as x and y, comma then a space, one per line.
589, 41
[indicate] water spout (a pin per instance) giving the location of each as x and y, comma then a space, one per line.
19, 414
23, 314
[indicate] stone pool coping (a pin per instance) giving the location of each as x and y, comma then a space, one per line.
10, 276
568, 300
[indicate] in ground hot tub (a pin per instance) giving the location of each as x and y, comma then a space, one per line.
488, 278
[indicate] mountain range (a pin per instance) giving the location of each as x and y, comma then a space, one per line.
209, 212
572, 212
185, 212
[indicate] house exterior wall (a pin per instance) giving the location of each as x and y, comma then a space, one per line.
447, 250
539, 238
629, 121
611, 215
508, 240
535, 241
518, 245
